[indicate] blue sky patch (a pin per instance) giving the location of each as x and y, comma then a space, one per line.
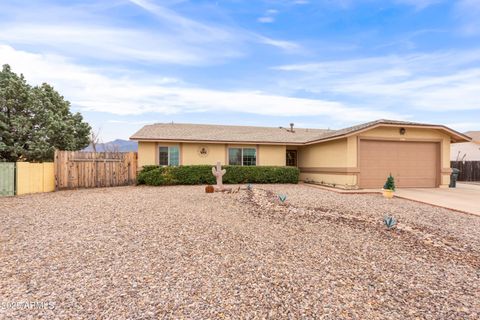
319, 64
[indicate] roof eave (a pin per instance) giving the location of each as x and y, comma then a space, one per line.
459, 137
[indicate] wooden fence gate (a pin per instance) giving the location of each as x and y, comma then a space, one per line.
469, 170
7, 178
77, 169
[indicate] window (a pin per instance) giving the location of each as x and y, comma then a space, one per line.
235, 156
169, 156
292, 158
163, 156
249, 157
242, 156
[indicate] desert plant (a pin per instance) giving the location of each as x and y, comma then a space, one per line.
249, 186
282, 198
390, 222
209, 189
390, 183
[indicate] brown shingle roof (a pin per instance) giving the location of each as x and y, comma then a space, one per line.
205, 132
248, 134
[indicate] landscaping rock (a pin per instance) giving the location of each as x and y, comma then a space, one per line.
176, 252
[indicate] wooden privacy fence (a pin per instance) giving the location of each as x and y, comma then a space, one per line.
469, 170
7, 178
77, 169
17, 178
35, 177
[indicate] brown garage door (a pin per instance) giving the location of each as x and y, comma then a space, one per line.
413, 164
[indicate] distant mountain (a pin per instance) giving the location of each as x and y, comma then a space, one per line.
115, 145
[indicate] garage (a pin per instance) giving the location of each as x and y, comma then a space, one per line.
412, 163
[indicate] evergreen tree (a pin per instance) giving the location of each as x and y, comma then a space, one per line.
34, 121
390, 183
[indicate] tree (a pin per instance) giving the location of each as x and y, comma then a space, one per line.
94, 139
390, 183
34, 121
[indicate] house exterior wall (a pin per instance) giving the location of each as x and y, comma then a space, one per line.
336, 162
344, 181
267, 155
192, 156
327, 163
327, 154
146, 153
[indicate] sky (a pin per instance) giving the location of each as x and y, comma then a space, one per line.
318, 64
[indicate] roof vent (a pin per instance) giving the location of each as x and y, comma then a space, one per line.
291, 127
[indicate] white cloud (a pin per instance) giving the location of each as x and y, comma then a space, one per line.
109, 43
285, 45
91, 32
208, 32
437, 81
266, 19
92, 90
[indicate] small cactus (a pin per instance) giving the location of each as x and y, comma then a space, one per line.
249, 186
390, 222
282, 198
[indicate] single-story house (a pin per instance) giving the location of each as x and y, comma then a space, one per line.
362, 156
467, 151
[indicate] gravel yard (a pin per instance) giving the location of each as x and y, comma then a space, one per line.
176, 252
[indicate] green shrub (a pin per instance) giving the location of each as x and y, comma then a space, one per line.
141, 176
149, 168
202, 174
390, 183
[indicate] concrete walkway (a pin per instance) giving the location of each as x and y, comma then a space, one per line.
465, 197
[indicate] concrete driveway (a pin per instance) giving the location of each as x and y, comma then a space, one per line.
465, 197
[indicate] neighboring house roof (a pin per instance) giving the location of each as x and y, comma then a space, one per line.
475, 135
468, 151
271, 135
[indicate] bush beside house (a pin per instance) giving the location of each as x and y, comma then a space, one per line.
202, 174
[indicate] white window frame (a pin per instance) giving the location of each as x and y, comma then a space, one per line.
168, 155
241, 155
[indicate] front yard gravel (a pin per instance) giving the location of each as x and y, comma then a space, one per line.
176, 252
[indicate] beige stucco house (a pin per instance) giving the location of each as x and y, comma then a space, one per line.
417, 154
